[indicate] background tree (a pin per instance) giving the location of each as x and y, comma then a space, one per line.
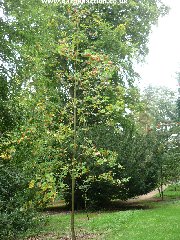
161, 109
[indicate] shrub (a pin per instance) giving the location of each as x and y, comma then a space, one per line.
16, 215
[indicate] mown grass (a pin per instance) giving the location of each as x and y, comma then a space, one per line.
160, 221
172, 192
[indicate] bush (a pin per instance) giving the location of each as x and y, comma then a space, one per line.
16, 215
133, 168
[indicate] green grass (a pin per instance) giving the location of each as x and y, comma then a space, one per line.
172, 192
160, 222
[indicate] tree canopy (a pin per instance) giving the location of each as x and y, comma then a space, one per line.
70, 109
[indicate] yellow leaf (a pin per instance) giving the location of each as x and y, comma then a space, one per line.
31, 184
5, 156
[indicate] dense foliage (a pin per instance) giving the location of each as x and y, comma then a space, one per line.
69, 106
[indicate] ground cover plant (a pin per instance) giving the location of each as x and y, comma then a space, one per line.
149, 219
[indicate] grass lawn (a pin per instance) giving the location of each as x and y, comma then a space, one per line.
172, 192
160, 221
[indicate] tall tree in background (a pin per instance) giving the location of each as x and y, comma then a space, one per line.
162, 119
160, 104
178, 100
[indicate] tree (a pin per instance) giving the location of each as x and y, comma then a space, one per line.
160, 108
163, 115
76, 66
178, 100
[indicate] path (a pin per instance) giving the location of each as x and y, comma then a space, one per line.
147, 196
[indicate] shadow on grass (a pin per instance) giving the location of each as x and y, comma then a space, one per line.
119, 205
116, 205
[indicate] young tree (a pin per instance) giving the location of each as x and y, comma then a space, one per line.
75, 72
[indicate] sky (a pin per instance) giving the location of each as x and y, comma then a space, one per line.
163, 60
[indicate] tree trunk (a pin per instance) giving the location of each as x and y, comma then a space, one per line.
74, 163
162, 192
